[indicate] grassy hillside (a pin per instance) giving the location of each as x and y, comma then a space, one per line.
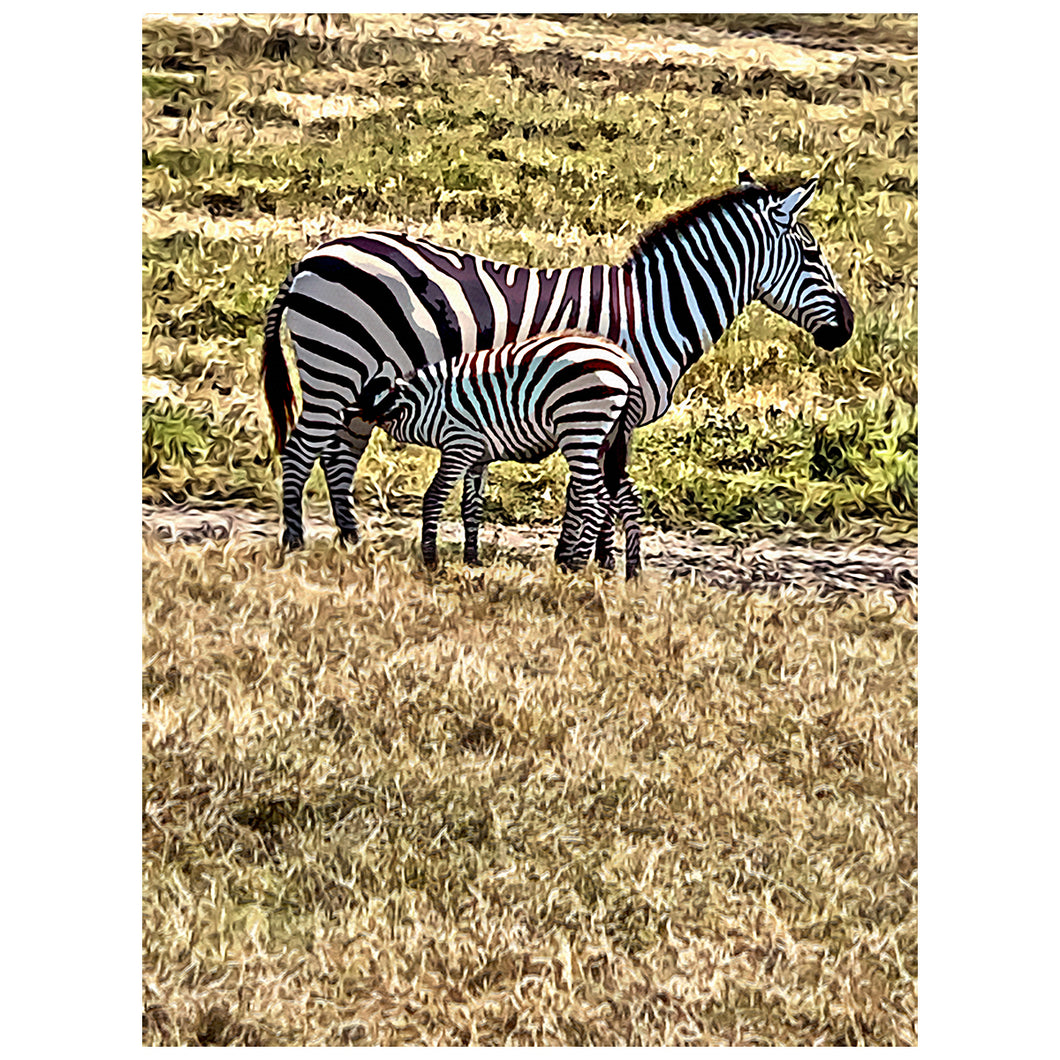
540, 142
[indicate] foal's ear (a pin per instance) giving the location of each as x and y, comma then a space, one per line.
746, 180
787, 209
375, 398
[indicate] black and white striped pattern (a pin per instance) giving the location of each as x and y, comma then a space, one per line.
384, 304
571, 391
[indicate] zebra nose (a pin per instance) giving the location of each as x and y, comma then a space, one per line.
832, 336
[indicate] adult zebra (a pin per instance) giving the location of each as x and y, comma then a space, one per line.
385, 304
570, 391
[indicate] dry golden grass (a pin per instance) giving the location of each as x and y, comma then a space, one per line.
508, 806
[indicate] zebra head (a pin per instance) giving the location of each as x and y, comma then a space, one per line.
796, 281
380, 401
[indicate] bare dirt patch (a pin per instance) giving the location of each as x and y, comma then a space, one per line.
827, 568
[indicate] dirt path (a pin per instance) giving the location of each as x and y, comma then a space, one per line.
839, 567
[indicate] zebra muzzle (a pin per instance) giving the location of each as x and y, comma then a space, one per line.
832, 336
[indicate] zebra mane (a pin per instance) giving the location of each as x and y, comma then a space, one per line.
712, 204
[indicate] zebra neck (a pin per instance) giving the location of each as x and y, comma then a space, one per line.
684, 293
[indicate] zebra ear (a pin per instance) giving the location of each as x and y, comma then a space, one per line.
787, 210
375, 398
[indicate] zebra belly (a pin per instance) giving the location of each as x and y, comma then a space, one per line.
524, 455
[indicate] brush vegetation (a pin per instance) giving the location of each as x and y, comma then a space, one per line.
509, 806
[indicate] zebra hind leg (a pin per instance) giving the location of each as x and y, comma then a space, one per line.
605, 540
339, 461
301, 452
570, 533
574, 532
570, 528
629, 510
587, 509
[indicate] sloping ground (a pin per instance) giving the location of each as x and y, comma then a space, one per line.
842, 567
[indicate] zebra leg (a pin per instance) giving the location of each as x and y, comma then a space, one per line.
588, 504
471, 511
605, 540
630, 512
573, 528
301, 452
570, 528
590, 507
339, 461
451, 468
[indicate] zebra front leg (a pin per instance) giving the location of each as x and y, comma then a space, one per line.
339, 461
452, 466
471, 511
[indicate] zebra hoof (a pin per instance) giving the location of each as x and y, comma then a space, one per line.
571, 566
348, 538
292, 542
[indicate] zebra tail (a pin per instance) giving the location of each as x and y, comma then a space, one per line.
277, 379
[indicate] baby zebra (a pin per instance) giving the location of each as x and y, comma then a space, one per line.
570, 391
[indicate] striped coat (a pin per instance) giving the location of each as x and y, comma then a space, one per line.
382, 304
571, 391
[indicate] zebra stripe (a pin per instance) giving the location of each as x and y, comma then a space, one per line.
383, 304
574, 392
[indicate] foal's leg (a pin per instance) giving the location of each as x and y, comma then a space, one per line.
629, 510
605, 540
588, 505
451, 468
471, 511
589, 499
570, 528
